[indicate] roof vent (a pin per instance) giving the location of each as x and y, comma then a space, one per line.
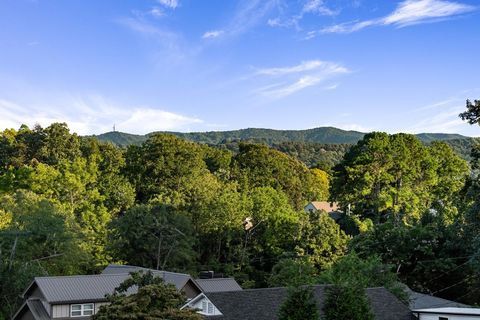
209, 275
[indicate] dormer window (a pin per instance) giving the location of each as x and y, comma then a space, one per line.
81, 310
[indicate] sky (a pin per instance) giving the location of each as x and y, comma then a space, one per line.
190, 65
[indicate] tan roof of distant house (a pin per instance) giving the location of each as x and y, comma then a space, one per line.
325, 205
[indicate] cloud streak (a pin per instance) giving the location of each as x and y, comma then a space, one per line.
292, 79
212, 34
407, 13
248, 14
171, 4
317, 7
94, 115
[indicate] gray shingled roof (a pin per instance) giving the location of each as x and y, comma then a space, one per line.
424, 301
218, 284
263, 304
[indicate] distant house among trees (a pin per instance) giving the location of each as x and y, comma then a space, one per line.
332, 208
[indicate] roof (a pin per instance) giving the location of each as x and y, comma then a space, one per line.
325, 205
77, 288
264, 304
177, 279
94, 287
120, 268
451, 310
218, 285
425, 301
35, 307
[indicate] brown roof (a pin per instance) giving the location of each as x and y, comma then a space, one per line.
325, 205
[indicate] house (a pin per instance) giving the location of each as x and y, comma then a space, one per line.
81, 296
203, 303
264, 304
332, 208
448, 313
182, 281
424, 301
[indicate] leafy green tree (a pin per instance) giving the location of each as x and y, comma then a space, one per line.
153, 236
472, 115
395, 176
290, 272
260, 166
153, 300
165, 165
321, 241
320, 183
274, 219
366, 273
35, 239
300, 304
419, 254
72, 186
59, 144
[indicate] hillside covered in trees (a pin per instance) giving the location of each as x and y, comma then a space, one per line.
71, 205
324, 146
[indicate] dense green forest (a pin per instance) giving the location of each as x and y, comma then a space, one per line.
315, 147
71, 205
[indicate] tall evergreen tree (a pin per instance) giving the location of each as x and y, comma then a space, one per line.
299, 305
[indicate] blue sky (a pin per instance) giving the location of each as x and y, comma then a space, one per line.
189, 65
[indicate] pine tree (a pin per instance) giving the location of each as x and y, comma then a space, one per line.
299, 305
346, 302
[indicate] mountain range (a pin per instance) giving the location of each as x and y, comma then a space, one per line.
323, 135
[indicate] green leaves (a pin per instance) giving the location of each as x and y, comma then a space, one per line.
395, 176
472, 115
153, 236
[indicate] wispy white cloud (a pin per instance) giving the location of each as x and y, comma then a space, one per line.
318, 6
417, 11
300, 84
296, 78
172, 4
303, 67
446, 121
168, 43
212, 34
156, 12
331, 87
248, 14
408, 12
94, 115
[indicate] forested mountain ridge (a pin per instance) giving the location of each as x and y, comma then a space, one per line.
323, 135
323, 145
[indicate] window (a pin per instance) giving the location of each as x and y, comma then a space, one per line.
207, 307
79, 310
442, 318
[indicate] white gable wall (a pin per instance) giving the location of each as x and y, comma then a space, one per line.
203, 306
